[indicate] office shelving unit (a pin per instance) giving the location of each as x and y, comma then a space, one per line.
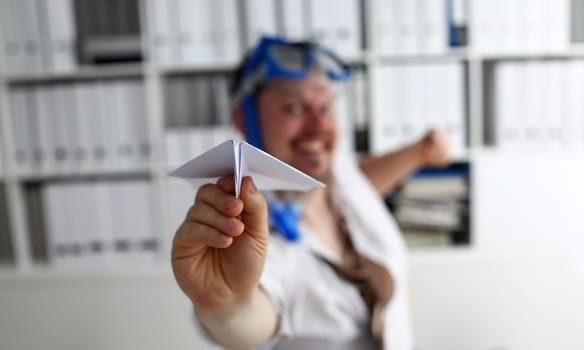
476, 66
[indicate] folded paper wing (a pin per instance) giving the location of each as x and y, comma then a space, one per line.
241, 159
209, 166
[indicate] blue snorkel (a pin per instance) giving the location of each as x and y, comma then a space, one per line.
285, 216
275, 57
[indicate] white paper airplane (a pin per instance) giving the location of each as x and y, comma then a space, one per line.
240, 159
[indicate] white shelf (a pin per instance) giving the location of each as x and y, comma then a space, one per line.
46, 274
133, 70
143, 171
535, 55
467, 54
198, 69
453, 55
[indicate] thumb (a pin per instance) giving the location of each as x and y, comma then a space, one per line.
255, 209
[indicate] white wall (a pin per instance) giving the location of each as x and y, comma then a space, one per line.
467, 301
460, 301
109, 310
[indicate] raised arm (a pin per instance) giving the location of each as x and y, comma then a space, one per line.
386, 171
218, 257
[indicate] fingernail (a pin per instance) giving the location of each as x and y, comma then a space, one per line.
231, 203
251, 188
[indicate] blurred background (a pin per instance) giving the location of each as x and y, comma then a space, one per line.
99, 99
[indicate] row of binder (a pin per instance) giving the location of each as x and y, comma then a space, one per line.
200, 100
539, 105
197, 114
97, 223
432, 207
502, 26
406, 27
207, 32
308, 19
183, 144
108, 31
193, 33
79, 127
409, 99
37, 35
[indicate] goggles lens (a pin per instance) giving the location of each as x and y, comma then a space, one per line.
331, 64
297, 58
289, 58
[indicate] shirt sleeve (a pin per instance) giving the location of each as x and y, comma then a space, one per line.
277, 281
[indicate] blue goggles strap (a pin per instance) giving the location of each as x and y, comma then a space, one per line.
252, 125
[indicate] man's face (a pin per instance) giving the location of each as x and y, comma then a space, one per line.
298, 122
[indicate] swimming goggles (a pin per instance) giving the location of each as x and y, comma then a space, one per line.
274, 57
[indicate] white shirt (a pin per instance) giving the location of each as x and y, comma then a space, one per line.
317, 308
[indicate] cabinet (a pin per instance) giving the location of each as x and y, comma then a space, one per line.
99, 105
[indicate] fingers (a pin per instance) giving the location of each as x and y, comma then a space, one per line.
194, 234
213, 218
255, 209
218, 216
221, 197
227, 184
205, 226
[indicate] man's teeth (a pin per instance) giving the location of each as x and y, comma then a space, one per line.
311, 146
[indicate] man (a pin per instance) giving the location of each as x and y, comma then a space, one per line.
335, 277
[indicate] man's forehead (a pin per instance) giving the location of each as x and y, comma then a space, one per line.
313, 83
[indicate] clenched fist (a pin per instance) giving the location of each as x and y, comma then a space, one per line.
436, 150
219, 251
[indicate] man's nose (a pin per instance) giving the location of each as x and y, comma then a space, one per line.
317, 120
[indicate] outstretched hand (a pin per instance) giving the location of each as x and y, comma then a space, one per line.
219, 251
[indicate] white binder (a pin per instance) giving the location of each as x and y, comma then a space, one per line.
20, 128
107, 121
407, 18
260, 20
62, 149
164, 38
58, 227
293, 16
60, 34
456, 125
225, 25
432, 26
386, 27
574, 123
140, 123
124, 124
45, 124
